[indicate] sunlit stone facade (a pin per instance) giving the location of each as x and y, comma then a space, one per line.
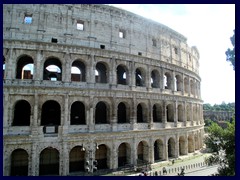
94, 82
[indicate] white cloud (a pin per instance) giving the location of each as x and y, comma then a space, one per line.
209, 27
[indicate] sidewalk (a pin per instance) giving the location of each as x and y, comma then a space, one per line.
191, 162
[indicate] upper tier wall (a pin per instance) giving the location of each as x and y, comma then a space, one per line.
98, 26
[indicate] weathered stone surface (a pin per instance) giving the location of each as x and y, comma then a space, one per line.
161, 119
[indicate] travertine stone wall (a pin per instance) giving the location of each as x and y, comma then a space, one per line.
92, 35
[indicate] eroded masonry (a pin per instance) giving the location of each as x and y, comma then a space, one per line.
93, 83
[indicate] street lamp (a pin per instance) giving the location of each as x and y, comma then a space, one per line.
91, 162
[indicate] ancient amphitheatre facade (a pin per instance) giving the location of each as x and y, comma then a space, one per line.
93, 82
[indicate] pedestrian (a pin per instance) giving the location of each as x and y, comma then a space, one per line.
173, 162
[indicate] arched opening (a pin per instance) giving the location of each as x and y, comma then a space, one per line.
122, 75
19, 163
155, 79
141, 113
3, 67
123, 154
22, 113
192, 87
122, 113
190, 144
167, 81
52, 70
170, 113
24, 68
101, 113
142, 152
101, 75
157, 113
49, 162
171, 148
76, 159
188, 113
77, 113
51, 113
101, 157
182, 142
158, 150
186, 85
180, 113
140, 79
178, 83
78, 71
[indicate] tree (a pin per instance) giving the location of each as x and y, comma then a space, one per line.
230, 53
222, 143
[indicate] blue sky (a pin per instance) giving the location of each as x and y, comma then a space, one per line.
207, 26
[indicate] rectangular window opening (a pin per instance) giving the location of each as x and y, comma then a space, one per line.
80, 25
122, 33
154, 42
102, 46
28, 19
54, 40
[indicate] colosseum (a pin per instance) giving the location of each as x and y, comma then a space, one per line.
93, 88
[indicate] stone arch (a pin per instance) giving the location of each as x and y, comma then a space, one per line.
178, 83
52, 69
22, 113
158, 150
102, 113
170, 113
19, 163
77, 116
124, 154
122, 75
157, 113
186, 85
142, 152
140, 77
182, 145
49, 162
188, 113
123, 113
76, 159
78, 71
102, 156
101, 73
51, 113
25, 66
167, 81
180, 113
155, 79
142, 113
171, 147
190, 144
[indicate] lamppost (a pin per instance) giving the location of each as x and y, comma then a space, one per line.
91, 162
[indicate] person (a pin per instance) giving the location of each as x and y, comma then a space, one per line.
173, 162
164, 170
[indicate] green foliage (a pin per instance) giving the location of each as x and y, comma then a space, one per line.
219, 107
230, 53
222, 144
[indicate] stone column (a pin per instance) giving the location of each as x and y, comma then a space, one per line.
191, 113
134, 152
10, 70
113, 73
114, 157
175, 110
164, 114
132, 75
186, 145
189, 87
91, 124
151, 151
91, 70
165, 148
114, 115
183, 85
148, 79
6, 119
161, 79
185, 113
150, 114
177, 146
64, 160
38, 69
173, 82
66, 68
133, 118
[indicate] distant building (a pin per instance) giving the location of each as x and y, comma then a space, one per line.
218, 115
